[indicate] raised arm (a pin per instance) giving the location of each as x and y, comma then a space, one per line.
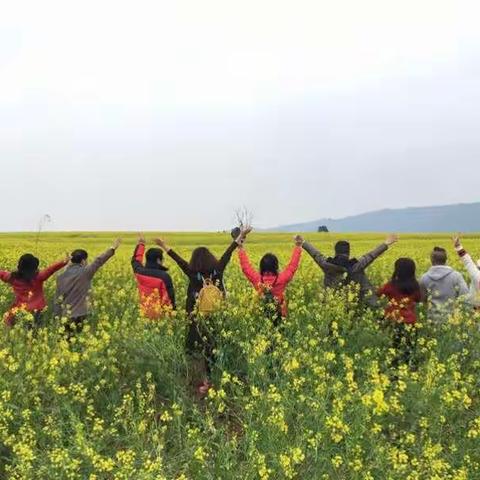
252, 275
288, 273
93, 267
138, 253
370, 257
472, 269
181, 262
238, 241
318, 257
225, 258
46, 273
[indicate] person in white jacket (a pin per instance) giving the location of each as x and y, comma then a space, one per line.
473, 270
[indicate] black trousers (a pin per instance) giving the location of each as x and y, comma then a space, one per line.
404, 343
200, 343
74, 326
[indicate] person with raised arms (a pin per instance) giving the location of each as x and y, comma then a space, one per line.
74, 285
341, 269
269, 281
155, 285
27, 285
204, 294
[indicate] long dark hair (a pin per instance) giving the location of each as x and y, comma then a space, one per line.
404, 278
27, 268
269, 264
203, 261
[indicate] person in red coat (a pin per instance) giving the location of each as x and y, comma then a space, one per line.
268, 281
403, 294
27, 285
155, 286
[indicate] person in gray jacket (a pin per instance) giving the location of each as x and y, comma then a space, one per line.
73, 287
341, 269
441, 286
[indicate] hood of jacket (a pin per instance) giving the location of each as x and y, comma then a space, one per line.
439, 272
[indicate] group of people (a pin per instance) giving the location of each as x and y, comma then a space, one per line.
441, 287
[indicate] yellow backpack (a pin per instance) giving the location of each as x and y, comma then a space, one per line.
210, 297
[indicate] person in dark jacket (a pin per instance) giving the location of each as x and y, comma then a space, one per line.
155, 286
73, 287
203, 265
27, 285
341, 269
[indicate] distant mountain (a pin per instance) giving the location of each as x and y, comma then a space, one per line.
448, 218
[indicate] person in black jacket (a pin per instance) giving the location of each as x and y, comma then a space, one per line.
155, 286
203, 265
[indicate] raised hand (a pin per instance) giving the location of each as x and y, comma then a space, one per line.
299, 240
116, 243
162, 244
244, 231
141, 238
391, 239
457, 242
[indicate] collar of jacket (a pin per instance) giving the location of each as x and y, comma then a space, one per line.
75, 266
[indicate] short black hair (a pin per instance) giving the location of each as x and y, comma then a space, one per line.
78, 256
342, 248
439, 256
152, 256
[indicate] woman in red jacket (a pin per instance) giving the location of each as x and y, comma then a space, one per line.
403, 293
27, 284
269, 282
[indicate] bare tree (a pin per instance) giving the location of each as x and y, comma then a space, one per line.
244, 218
41, 224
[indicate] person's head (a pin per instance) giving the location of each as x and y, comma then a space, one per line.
269, 264
342, 248
404, 277
203, 261
79, 257
439, 256
154, 258
27, 267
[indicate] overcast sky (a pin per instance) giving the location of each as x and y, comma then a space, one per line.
169, 115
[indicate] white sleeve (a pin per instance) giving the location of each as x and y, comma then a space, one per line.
472, 269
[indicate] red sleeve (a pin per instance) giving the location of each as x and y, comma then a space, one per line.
287, 274
139, 253
4, 276
49, 271
252, 275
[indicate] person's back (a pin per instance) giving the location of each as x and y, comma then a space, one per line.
27, 285
74, 284
341, 270
441, 286
155, 286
